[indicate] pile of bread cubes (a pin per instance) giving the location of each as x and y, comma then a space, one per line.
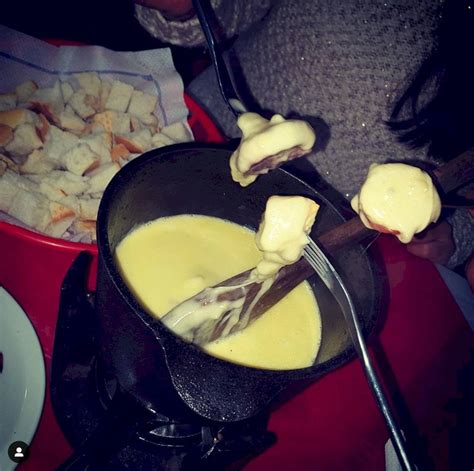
60, 146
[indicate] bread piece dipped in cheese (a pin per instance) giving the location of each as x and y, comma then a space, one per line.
399, 199
266, 144
283, 232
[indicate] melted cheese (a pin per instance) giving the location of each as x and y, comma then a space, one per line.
399, 199
194, 319
283, 232
262, 138
172, 259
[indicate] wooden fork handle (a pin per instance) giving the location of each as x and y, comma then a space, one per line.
351, 231
456, 173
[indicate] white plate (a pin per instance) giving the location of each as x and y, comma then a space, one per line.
22, 381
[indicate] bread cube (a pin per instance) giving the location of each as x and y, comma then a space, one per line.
177, 132
150, 121
137, 141
48, 100
89, 208
57, 143
67, 182
61, 217
25, 140
142, 103
31, 208
119, 96
36, 163
111, 121
80, 103
42, 127
90, 82
80, 159
7, 101
101, 144
25, 90
53, 193
161, 140
67, 91
9, 187
17, 116
104, 93
100, 177
69, 121
6, 134
71, 201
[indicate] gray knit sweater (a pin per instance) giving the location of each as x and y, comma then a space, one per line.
343, 64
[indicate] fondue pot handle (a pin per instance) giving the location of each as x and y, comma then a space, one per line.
219, 390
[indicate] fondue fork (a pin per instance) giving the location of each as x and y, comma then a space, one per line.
207, 20
329, 276
256, 298
237, 106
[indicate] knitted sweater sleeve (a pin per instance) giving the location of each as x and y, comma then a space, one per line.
463, 233
234, 16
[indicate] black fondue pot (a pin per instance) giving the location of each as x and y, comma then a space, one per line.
165, 373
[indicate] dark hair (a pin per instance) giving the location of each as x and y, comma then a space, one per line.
446, 121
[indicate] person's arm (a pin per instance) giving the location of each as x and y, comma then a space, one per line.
449, 243
174, 22
435, 243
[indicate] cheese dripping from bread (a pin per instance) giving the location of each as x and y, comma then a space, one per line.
281, 238
399, 199
283, 232
266, 144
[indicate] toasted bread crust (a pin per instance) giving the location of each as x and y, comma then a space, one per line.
6, 134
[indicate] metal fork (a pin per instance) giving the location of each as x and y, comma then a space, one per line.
325, 270
207, 20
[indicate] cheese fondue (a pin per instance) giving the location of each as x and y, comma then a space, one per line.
283, 232
278, 138
399, 199
172, 259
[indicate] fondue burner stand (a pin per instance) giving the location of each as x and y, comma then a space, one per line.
108, 428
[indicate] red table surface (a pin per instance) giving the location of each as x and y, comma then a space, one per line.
332, 425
